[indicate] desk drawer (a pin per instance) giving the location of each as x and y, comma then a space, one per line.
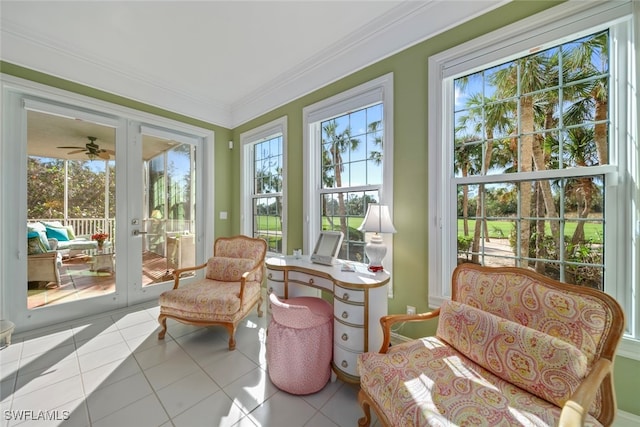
276, 287
348, 313
311, 280
350, 295
345, 360
277, 275
349, 337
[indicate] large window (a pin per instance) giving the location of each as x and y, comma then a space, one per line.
348, 159
263, 159
532, 161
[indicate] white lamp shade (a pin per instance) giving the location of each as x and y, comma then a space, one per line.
377, 219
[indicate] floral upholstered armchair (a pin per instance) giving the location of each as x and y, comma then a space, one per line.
230, 289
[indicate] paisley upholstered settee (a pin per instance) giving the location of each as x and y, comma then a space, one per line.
512, 347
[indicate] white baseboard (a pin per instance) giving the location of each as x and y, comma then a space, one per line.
623, 419
397, 338
626, 419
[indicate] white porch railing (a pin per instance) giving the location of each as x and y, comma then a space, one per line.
87, 226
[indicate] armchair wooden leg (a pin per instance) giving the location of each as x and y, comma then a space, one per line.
260, 307
231, 328
163, 322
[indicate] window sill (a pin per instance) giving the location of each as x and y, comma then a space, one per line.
629, 348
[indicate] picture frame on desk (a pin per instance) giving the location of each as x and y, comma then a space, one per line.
327, 247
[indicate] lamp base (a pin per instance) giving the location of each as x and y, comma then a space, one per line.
375, 250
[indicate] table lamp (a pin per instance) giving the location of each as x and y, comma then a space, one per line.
377, 220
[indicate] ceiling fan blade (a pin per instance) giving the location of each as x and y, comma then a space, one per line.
76, 151
69, 147
112, 152
104, 155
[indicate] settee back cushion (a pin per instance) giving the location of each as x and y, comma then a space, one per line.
577, 318
229, 269
543, 365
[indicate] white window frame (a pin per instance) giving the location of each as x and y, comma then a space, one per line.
562, 23
362, 96
248, 139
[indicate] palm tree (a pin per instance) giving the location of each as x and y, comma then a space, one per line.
373, 128
485, 115
582, 150
593, 82
467, 159
521, 81
332, 160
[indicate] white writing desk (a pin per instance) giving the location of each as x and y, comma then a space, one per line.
359, 300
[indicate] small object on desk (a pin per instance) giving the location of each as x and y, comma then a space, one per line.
348, 267
297, 253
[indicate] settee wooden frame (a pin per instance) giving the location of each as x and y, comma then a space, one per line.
575, 410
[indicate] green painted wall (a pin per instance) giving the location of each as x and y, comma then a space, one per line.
410, 163
410, 68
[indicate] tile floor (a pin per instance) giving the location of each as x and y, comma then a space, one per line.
111, 370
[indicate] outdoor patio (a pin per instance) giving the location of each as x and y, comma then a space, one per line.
78, 281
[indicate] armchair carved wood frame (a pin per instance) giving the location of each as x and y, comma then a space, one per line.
228, 292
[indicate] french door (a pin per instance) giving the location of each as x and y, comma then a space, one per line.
87, 175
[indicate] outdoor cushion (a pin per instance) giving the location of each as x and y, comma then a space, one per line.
77, 244
34, 244
60, 234
42, 232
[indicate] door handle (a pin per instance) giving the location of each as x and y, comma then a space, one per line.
137, 232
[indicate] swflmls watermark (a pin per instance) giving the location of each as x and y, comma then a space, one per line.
31, 415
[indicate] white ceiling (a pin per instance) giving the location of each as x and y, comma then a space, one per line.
224, 62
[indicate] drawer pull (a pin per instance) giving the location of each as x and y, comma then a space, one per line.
345, 315
311, 281
344, 364
345, 337
270, 290
345, 296
270, 276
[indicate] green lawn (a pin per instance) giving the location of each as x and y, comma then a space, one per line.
272, 223
502, 229
497, 229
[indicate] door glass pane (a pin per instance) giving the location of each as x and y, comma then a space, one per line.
70, 204
169, 212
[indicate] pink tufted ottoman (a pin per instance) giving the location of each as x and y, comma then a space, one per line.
300, 344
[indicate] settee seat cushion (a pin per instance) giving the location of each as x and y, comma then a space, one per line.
428, 382
209, 300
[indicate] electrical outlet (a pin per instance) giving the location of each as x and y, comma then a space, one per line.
411, 309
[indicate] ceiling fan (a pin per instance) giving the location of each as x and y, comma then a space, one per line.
92, 150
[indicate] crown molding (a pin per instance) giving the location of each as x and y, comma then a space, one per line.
42, 53
404, 26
